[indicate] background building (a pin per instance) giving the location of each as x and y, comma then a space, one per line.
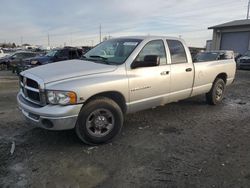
233, 35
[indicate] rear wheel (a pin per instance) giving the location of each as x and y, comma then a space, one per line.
216, 94
99, 121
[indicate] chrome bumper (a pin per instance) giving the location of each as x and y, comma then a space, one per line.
52, 117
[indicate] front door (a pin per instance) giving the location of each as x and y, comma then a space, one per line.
149, 86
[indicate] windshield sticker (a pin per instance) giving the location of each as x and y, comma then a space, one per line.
130, 43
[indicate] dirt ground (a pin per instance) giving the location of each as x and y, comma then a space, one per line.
185, 144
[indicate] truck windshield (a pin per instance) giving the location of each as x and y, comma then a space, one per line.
247, 53
51, 53
114, 51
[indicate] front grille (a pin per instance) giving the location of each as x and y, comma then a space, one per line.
32, 83
31, 92
244, 61
33, 95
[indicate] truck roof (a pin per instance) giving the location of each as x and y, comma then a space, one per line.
150, 37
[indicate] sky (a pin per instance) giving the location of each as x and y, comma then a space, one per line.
77, 22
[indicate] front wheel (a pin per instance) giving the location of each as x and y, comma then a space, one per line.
99, 121
216, 94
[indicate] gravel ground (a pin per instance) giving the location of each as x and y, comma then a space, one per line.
185, 144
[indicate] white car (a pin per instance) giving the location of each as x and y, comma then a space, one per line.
2, 54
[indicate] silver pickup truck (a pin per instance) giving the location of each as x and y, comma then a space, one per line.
117, 77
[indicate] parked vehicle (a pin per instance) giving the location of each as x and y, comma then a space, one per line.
2, 54
237, 56
244, 61
13, 60
213, 56
52, 56
55, 55
136, 73
85, 49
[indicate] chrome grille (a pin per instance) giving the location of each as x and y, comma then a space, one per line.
31, 91
244, 61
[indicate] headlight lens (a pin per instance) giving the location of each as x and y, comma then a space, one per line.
34, 62
61, 97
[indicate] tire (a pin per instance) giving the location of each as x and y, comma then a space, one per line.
99, 121
13, 70
216, 94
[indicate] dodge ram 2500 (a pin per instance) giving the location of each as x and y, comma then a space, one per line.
117, 77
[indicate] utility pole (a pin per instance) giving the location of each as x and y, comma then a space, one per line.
248, 7
100, 30
48, 40
21, 40
71, 39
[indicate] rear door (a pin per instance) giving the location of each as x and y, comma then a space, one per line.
182, 71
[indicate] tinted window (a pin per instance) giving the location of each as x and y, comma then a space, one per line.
73, 54
177, 51
18, 55
27, 55
62, 53
155, 47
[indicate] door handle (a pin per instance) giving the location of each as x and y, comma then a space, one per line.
189, 69
164, 73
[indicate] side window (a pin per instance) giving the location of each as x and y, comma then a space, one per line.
177, 51
29, 55
73, 54
155, 47
20, 55
62, 53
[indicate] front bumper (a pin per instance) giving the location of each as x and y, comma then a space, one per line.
52, 117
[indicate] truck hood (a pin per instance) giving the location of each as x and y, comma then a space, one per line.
68, 69
41, 59
245, 57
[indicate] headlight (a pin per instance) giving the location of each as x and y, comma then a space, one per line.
61, 97
34, 62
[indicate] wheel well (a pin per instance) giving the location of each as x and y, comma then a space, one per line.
222, 76
115, 96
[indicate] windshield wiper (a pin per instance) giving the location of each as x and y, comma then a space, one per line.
97, 56
97, 59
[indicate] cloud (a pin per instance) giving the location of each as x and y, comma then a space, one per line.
77, 22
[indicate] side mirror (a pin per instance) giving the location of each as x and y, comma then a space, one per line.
222, 57
149, 61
